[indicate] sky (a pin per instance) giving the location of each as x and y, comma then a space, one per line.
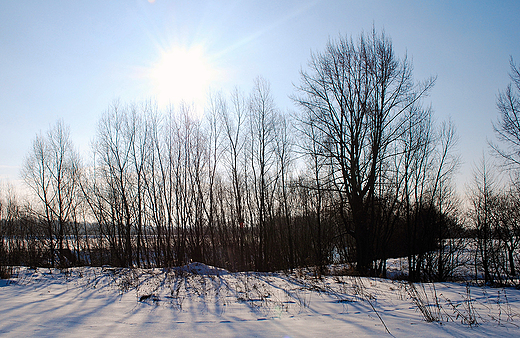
71, 60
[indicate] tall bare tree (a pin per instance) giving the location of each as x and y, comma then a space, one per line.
355, 93
233, 121
51, 170
262, 112
483, 200
113, 147
507, 127
283, 151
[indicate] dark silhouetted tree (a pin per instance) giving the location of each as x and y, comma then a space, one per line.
355, 94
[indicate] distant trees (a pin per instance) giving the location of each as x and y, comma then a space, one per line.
169, 188
362, 173
495, 221
506, 220
21, 233
494, 205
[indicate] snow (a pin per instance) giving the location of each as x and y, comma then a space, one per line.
199, 300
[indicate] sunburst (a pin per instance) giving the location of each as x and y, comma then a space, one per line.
182, 75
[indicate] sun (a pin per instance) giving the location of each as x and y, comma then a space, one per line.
181, 75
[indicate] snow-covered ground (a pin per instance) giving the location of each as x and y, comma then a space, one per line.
199, 301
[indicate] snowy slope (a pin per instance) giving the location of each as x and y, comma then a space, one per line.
199, 301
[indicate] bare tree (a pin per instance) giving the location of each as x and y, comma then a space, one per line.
417, 146
444, 201
214, 131
483, 201
506, 219
355, 94
114, 149
233, 121
51, 171
507, 127
139, 130
283, 151
262, 116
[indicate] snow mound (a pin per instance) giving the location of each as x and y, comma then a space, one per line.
203, 269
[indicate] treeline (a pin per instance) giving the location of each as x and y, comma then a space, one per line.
359, 174
494, 217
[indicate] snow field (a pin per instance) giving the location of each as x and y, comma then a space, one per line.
198, 301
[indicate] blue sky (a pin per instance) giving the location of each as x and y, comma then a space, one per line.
71, 59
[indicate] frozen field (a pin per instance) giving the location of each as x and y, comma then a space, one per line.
200, 301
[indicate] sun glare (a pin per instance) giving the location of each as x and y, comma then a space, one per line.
181, 75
